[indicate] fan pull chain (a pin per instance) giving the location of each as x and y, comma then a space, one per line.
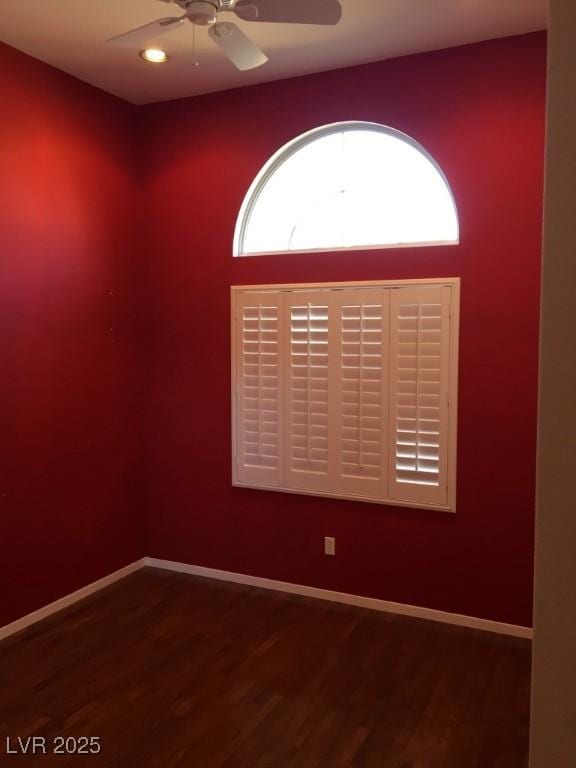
195, 57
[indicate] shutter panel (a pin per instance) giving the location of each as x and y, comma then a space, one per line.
347, 391
259, 386
419, 388
362, 391
308, 397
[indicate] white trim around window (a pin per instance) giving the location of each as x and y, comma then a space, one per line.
347, 186
347, 390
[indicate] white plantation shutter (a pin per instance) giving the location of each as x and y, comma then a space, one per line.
348, 391
361, 391
419, 388
259, 387
309, 337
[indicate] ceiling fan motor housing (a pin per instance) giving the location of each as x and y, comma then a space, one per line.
202, 12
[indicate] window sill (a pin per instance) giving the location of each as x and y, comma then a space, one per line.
351, 248
348, 497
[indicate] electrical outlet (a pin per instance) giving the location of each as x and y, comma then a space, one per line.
329, 545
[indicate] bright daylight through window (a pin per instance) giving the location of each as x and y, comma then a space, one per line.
346, 186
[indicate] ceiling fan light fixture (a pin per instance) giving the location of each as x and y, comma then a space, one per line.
154, 55
202, 12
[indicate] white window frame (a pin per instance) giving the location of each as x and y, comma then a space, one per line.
284, 153
452, 406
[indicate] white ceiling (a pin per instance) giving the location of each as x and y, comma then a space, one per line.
71, 34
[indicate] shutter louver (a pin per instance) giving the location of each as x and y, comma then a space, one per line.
362, 395
308, 382
420, 356
258, 389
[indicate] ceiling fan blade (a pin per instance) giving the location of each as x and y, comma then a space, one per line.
240, 49
290, 11
147, 32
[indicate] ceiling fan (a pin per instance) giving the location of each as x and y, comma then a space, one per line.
228, 36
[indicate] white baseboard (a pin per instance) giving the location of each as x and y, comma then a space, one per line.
371, 603
67, 600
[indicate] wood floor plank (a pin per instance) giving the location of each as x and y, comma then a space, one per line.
173, 671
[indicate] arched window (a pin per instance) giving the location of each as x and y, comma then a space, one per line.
347, 186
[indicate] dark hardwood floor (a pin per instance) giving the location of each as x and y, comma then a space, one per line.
170, 670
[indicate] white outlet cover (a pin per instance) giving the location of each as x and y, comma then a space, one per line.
329, 545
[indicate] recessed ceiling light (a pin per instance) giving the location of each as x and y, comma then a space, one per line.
154, 55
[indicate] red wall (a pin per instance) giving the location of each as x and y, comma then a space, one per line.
114, 320
70, 451
480, 111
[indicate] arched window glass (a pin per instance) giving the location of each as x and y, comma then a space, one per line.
347, 186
